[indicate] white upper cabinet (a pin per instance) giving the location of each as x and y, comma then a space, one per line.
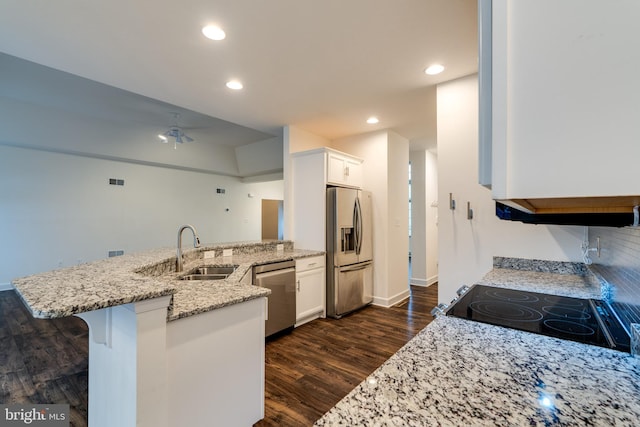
343, 170
560, 101
312, 171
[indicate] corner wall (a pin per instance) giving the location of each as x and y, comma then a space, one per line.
59, 210
424, 218
467, 247
386, 162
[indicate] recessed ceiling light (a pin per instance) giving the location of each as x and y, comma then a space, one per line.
372, 120
434, 69
234, 84
213, 32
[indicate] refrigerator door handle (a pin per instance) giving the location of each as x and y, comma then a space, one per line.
357, 224
359, 267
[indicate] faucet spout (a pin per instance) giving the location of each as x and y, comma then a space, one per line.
196, 244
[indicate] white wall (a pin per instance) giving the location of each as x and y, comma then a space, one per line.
424, 235
294, 140
431, 215
418, 240
386, 162
59, 210
466, 247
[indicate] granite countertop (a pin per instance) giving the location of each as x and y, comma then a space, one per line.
459, 372
151, 274
193, 297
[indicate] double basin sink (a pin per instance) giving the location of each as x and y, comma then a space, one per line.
209, 273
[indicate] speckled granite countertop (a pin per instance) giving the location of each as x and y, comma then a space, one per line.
151, 274
456, 372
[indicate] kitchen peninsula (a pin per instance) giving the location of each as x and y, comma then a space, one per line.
459, 372
165, 351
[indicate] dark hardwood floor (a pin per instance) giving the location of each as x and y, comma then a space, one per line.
307, 371
43, 361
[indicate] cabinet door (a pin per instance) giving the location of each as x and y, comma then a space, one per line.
310, 296
353, 173
565, 93
344, 171
336, 173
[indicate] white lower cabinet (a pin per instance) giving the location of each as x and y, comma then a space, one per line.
310, 289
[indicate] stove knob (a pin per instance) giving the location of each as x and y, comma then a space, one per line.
439, 309
462, 290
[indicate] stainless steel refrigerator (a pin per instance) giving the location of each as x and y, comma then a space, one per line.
349, 250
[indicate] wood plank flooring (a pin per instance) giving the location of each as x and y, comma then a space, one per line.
307, 371
43, 361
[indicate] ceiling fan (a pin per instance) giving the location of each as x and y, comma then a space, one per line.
176, 133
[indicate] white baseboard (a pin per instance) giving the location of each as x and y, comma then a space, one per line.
6, 287
424, 282
390, 302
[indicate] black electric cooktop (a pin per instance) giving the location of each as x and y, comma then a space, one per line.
584, 320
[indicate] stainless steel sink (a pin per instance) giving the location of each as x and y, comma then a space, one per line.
213, 270
204, 277
209, 273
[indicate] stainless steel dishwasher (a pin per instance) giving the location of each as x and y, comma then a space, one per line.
280, 277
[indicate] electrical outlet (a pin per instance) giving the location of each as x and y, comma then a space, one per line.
227, 252
280, 247
210, 254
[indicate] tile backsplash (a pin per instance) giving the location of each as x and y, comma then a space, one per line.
619, 265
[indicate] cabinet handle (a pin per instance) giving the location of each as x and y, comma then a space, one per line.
346, 171
298, 286
311, 264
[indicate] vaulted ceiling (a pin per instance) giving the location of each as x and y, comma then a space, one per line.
324, 66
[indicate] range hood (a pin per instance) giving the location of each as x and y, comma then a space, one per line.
575, 205
587, 217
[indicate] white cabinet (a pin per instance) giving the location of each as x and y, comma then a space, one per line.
343, 170
310, 289
559, 113
311, 171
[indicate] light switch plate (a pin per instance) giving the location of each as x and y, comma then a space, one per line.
210, 254
280, 247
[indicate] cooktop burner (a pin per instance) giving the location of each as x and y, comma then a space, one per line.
582, 320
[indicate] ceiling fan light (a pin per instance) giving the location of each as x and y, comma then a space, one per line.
163, 138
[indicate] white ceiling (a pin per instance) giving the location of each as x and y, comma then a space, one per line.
322, 65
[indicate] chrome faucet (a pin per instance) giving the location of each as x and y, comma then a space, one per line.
196, 244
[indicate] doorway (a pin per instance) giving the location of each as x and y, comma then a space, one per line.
272, 219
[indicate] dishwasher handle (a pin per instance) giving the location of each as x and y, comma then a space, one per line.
274, 273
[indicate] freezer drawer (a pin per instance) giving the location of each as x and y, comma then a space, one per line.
352, 288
